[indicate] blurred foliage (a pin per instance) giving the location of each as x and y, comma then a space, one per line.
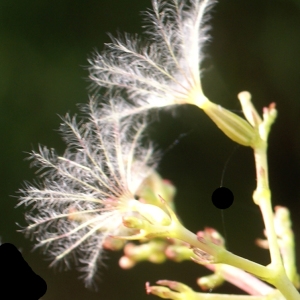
255, 46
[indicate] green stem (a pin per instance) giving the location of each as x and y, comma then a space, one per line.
262, 197
221, 255
273, 275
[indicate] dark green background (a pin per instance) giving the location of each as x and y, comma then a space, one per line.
255, 46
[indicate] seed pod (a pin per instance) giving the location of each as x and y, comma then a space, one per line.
235, 127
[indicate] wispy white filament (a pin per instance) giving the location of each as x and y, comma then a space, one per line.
164, 68
84, 193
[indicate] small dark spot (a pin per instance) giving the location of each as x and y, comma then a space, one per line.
222, 198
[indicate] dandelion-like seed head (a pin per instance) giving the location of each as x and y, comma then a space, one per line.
84, 194
163, 70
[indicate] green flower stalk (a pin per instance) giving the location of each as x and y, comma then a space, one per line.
286, 243
174, 290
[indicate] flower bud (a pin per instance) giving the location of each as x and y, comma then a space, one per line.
152, 213
179, 252
210, 281
249, 110
235, 127
133, 222
172, 290
155, 185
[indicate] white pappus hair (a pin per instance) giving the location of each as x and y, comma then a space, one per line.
164, 68
82, 195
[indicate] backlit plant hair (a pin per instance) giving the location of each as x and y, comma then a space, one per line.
84, 194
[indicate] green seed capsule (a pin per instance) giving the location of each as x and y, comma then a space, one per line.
235, 127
